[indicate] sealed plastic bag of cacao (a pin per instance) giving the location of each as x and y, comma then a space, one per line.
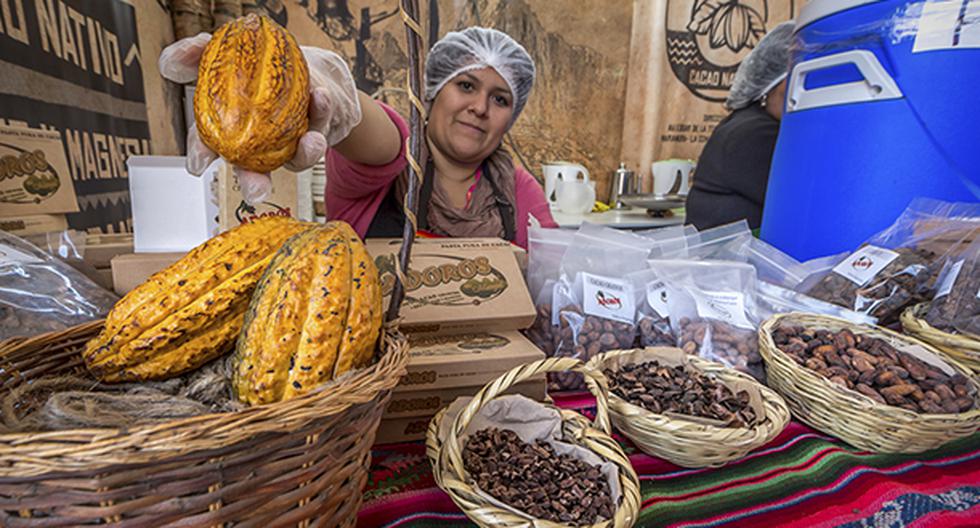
956, 305
899, 266
713, 310
546, 248
39, 293
652, 310
594, 304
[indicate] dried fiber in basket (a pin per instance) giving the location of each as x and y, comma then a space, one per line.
68, 402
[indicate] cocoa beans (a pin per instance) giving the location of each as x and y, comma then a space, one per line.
724, 343
876, 369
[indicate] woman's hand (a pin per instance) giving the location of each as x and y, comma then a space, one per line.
334, 110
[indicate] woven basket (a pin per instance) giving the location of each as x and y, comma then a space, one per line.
447, 460
691, 443
964, 348
301, 460
850, 415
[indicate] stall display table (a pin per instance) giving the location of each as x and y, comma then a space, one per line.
801, 479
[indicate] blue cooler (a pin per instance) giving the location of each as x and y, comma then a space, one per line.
882, 106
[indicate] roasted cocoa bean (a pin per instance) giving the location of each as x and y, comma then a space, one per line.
876, 369
729, 345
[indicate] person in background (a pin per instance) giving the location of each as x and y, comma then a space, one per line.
733, 170
477, 82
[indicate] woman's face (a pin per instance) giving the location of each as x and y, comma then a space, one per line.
470, 115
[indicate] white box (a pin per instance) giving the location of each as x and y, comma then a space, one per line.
173, 210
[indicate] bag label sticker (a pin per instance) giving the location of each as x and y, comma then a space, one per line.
864, 264
608, 297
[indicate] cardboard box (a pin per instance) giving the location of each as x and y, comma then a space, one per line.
33, 224
457, 286
173, 210
34, 177
406, 428
291, 196
439, 362
416, 403
129, 271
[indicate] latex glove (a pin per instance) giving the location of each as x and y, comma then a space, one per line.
334, 110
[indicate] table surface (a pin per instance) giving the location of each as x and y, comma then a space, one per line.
617, 218
801, 479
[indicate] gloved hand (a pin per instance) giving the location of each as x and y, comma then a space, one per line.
334, 110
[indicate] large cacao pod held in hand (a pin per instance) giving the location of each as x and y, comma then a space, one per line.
315, 314
253, 92
191, 312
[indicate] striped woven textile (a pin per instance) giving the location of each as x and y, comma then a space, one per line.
803, 478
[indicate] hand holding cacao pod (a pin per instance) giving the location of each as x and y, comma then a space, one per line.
256, 137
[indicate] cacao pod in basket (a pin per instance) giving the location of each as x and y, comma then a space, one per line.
315, 314
191, 312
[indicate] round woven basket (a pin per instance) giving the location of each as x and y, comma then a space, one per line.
447, 460
964, 348
292, 462
850, 415
691, 443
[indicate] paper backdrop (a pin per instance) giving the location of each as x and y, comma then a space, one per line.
683, 58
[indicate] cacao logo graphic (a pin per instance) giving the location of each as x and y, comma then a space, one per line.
478, 280
246, 213
707, 39
608, 301
25, 176
863, 263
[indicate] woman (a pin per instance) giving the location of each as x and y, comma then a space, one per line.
477, 82
733, 170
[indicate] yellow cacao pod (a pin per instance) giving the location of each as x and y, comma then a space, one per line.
253, 94
191, 312
315, 315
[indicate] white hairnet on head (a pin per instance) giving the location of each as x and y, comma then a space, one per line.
763, 68
474, 48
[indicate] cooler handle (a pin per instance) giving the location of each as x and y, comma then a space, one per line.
876, 86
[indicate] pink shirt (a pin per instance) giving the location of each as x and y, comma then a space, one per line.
355, 191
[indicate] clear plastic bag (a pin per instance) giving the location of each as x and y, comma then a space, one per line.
671, 240
772, 299
652, 310
956, 305
719, 243
899, 266
713, 311
594, 305
771, 265
545, 250
39, 293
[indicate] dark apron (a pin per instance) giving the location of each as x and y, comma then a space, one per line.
389, 221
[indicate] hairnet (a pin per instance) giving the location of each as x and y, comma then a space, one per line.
762, 68
474, 48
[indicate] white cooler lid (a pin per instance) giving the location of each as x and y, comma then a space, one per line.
817, 9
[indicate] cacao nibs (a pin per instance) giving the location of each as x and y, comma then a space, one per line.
875, 368
536, 480
677, 389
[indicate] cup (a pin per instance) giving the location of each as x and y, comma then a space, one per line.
672, 176
575, 196
558, 171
